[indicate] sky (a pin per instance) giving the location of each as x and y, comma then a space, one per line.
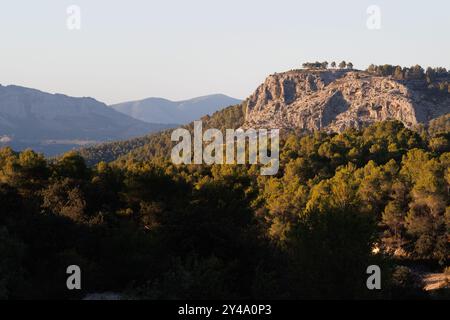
177, 49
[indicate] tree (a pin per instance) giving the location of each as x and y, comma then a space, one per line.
225, 231
430, 75
350, 65
12, 275
398, 73
394, 218
72, 165
416, 73
406, 285
439, 144
331, 239
333, 65
372, 69
315, 65
64, 198
342, 65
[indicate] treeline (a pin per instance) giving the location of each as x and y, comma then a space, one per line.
158, 145
324, 65
111, 151
150, 229
436, 78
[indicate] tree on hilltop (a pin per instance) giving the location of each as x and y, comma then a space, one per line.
342, 65
316, 65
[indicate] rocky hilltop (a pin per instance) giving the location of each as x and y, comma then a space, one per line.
338, 99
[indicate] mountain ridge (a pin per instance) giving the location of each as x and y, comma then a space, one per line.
54, 123
165, 111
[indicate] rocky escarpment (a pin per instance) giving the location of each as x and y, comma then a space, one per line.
338, 99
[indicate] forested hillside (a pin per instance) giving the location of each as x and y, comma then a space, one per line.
146, 228
312, 99
159, 144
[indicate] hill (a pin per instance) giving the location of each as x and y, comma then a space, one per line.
142, 228
334, 100
158, 110
54, 123
158, 144
309, 100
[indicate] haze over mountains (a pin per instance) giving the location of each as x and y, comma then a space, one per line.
306, 99
55, 123
159, 110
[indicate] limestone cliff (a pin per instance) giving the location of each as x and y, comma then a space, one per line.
337, 99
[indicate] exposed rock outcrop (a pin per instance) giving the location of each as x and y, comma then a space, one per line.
337, 99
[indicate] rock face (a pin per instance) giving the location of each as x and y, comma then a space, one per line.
339, 99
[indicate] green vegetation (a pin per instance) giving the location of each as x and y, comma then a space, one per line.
149, 229
158, 145
436, 79
315, 65
324, 65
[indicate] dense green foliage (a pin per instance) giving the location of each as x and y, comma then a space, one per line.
324, 65
147, 228
112, 150
158, 144
436, 79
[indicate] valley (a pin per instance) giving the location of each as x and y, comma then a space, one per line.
363, 163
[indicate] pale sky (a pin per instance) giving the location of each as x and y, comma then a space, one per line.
177, 49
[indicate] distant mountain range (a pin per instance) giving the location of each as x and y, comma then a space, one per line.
55, 123
299, 100
158, 110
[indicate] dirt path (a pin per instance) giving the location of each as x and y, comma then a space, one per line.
434, 281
